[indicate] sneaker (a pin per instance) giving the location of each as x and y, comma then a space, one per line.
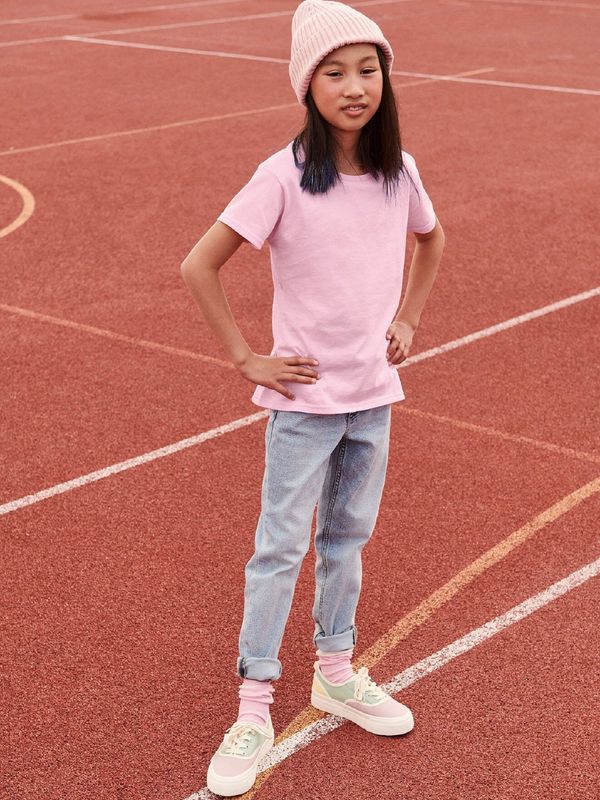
360, 700
232, 769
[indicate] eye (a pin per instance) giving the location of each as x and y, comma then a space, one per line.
368, 70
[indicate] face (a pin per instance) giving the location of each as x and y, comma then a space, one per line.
348, 76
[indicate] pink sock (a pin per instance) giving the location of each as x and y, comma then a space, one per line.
336, 667
255, 697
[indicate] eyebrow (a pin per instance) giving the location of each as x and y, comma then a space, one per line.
341, 63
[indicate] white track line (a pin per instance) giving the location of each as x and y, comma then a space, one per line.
29, 20
91, 477
167, 49
431, 76
169, 7
316, 730
227, 20
550, 3
288, 13
27, 210
18, 42
502, 326
239, 18
541, 87
565, 6
150, 129
185, 122
167, 26
224, 20
113, 469
130, 10
172, 125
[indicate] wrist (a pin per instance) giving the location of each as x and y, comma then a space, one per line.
412, 323
240, 360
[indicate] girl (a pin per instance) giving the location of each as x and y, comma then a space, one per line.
335, 205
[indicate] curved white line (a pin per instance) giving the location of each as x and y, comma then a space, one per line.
28, 205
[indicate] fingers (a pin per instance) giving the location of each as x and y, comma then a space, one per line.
312, 373
282, 390
292, 360
299, 377
297, 373
299, 360
397, 350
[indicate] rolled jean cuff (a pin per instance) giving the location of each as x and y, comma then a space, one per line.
259, 669
337, 642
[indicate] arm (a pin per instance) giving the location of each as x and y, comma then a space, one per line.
200, 272
423, 269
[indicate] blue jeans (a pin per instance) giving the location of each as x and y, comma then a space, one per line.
337, 462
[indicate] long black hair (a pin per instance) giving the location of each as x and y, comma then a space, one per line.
379, 147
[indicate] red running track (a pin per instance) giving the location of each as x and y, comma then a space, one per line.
122, 599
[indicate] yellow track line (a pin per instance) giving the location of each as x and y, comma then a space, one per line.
401, 629
509, 437
398, 407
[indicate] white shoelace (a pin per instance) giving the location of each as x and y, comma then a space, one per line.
238, 738
365, 685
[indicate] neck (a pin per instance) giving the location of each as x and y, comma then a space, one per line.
348, 160
347, 144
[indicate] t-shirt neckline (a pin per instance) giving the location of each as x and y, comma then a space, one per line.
364, 177
343, 176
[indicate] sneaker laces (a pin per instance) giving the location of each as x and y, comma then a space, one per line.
238, 738
366, 686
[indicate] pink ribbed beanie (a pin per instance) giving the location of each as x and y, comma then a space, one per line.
320, 26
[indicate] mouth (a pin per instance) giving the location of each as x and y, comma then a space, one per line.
354, 111
354, 107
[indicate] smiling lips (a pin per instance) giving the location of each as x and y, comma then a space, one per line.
353, 111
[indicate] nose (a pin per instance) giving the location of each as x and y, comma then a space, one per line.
354, 89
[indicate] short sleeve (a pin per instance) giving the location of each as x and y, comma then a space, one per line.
421, 215
256, 208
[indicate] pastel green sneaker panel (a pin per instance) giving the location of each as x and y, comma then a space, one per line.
256, 740
345, 691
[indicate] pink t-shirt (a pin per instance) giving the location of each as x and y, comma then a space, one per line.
337, 261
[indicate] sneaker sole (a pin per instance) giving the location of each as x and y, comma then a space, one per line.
237, 784
384, 726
